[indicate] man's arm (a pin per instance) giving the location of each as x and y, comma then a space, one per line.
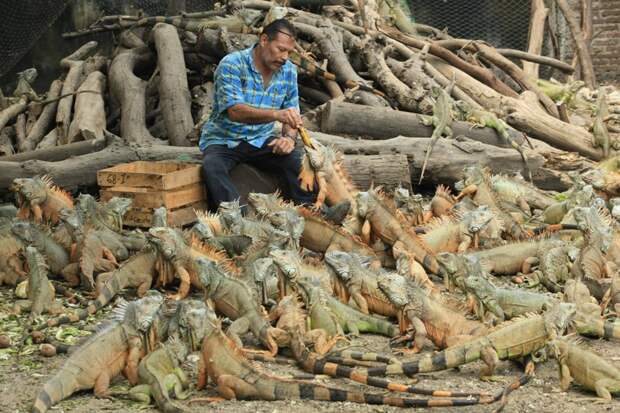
249, 114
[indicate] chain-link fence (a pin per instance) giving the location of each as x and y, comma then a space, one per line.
502, 23
23, 22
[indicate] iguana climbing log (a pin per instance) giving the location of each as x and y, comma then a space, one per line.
441, 120
483, 118
237, 378
511, 340
41, 198
601, 138
116, 348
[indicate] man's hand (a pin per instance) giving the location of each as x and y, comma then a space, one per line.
289, 117
282, 145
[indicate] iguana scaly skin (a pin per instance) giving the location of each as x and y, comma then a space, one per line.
503, 303
477, 184
237, 378
359, 283
292, 319
442, 202
517, 191
591, 324
182, 259
160, 374
233, 221
599, 129
41, 293
11, 264
554, 267
109, 214
234, 299
387, 223
233, 245
115, 349
314, 364
512, 258
483, 118
586, 369
40, 197
137, 272
426, 317
460, 233
324, 165
188, 322
326, 311
55, 255
441, 121
408, 267
412, 206
511, 340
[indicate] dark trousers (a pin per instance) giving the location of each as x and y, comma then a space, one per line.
219, 160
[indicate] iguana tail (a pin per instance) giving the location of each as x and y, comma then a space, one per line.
107, 293
162, 400
427, 154
313, 364
362, 356
55, 390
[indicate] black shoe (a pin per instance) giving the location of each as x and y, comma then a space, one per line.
337, 213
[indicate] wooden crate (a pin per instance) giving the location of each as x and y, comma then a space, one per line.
174, 185
154, 175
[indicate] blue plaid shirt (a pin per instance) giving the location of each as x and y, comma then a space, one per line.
238, 81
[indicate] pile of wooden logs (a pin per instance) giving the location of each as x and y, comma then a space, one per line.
365, 71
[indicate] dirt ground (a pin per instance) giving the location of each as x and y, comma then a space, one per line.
23, 374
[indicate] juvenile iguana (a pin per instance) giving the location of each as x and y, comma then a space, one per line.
117, 348
236, 378
160, 374
40, 197
586, 369
441, 120
483, 118
511, 340
599, 128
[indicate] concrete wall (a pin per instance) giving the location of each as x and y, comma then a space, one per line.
606, 46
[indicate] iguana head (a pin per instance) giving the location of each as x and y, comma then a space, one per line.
140, 313
463, 109
289, 221
287, 261
203, 231
451, 263
262, 268
31, 189
164, 241
401, 197
365, 203
394, 286
208, 271
29, 75
35, 261
478, 285
474, 174
230, 212
86, 205
118, 206
160, 218
559, 317
71, 219
190, 322
594, 224
177, 348
477, 221
23, 230
264, 204
341, 263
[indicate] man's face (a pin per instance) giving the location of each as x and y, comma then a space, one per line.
275, 52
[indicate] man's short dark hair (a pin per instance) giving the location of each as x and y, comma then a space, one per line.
281, 26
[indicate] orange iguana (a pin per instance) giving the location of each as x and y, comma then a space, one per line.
41, 198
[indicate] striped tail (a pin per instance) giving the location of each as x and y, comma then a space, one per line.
108, 291
53, 392
611, 330
310, 363
311, 391
362, 356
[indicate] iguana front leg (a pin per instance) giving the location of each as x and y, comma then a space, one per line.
419, 332
203, 377
602, 387
133, 359
183, 275
490, 359
466, 241
37, 212
565, 376
319, 338
306, 175
360, 301
467, 191
102, 385
322, 193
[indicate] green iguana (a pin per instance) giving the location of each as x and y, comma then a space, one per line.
40, 197
483, 118
554, 266
11, 263
441, 120
511, 340
599, 128
55, 255
41, 293
160, 374
237, 378
137, 272
117, 348
586, 369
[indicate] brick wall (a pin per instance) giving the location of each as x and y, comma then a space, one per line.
606, 46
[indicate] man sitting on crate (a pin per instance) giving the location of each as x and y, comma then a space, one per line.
254, 88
